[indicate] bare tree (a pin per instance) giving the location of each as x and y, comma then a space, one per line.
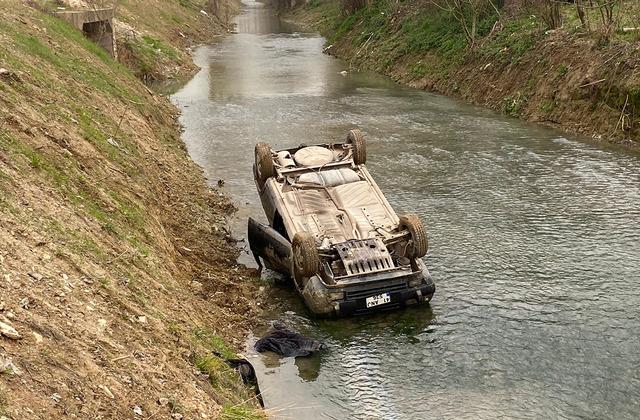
581, 14
607, 10
349, 7
467, 13
549, 11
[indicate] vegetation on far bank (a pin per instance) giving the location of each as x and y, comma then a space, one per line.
550, 61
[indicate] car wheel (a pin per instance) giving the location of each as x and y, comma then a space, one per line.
306, 260
358, 145
419, 242
265, 168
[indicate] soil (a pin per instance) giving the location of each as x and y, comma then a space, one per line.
117, 268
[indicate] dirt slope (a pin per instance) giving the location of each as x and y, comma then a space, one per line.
116, 267
564, 78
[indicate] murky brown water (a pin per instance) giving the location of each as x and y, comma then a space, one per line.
535, 242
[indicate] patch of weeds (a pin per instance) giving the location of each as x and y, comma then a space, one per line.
85, 245
343, 27
431, 31
419, 69
236, 412
76, 241
548, 105
517, 37
92, 132
563, 69
227, 382
174, 328
36, 159
129, 210
33, 46
214, 343
513, 105
158, 45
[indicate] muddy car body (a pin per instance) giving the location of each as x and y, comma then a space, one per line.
333, 231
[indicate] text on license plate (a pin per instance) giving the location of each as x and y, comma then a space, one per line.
380, 299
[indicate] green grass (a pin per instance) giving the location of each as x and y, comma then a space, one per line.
234, 412
517, 37
563, 69
214, 343
434, 31
158, 45
513, 105
238, 397
60, 51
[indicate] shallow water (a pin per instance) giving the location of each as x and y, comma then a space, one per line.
534, 241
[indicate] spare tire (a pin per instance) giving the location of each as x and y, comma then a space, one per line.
358, 146
419, 243
306, 260
265, 168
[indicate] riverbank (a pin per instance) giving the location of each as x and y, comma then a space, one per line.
566, 78
118, 272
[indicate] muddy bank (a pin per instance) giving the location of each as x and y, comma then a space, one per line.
118, 274
562, 78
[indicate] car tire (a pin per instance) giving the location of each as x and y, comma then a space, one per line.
265, 168
306, 260
419, 242
358, 146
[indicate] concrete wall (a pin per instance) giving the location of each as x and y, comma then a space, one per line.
96, 24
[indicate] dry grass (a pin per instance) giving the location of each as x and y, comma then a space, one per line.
108, 236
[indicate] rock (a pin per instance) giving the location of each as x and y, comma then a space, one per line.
137, 410
7, 367
56, 397
1, 306
24, 303
36, 276
163, 401
10, 315
38, 337
107, 391
8, 75
9, 332
175, 416
142, 319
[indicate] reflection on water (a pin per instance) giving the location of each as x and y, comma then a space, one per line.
534, 242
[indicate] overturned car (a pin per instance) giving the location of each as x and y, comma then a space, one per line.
333, 231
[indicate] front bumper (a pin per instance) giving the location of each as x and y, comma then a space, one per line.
357, 305
347, 300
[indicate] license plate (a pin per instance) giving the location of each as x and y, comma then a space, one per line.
380, 299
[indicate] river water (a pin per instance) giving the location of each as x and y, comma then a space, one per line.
535, 241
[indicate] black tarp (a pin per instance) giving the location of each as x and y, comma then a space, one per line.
288, 343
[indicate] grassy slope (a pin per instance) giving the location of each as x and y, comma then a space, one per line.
167, 29
115, 263
519, 68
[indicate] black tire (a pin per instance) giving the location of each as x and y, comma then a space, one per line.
419, 244
358, 146
306, 260
264, 163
